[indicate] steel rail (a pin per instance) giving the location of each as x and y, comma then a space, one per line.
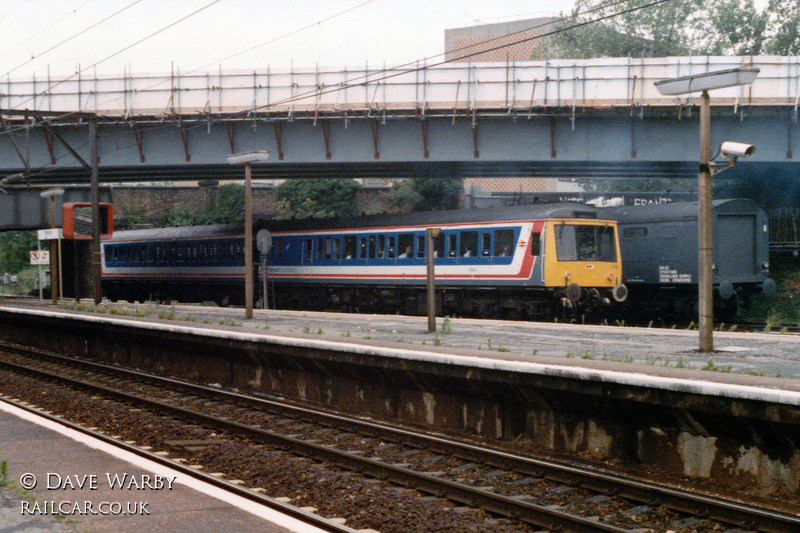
684, 501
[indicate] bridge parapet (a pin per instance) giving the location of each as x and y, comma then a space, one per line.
527, 87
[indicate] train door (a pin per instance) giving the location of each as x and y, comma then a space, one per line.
735, 246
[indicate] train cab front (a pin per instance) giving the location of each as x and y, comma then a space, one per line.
583, 263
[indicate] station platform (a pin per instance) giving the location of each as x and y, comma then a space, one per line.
80, 476
765, 359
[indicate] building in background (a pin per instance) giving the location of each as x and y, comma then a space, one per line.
492, 43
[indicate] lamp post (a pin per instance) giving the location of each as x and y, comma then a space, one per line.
685, 85
247, 158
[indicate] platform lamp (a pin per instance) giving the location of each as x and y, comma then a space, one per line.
246, 159
703, 83
55, 245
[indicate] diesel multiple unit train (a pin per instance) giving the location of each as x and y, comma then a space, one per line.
530, 261
534, 262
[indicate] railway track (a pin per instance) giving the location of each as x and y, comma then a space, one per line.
539, 492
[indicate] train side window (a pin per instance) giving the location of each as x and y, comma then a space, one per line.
123, 253
438, 245
452, 245
486, 244
372, 247
328, 247
320, 246
135, 253
420, 245
381, 246
362, 247
639, 232
307, 250
350, 247
390, 248
277, 245
337, 246
469, 243
536, 243
405, 245
504, 243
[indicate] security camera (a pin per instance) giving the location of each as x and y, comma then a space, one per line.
733, 150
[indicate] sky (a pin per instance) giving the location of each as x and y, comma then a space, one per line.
278, 33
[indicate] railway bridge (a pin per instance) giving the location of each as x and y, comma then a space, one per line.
564, 118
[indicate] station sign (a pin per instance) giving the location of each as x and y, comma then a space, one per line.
50, 234
40, 257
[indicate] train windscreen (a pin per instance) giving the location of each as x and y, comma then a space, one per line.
585, 243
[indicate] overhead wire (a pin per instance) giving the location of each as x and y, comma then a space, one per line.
81, 70
391, 72
74, 36
54, 23
7, 13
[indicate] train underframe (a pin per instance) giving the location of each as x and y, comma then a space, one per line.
519, 303
680, 303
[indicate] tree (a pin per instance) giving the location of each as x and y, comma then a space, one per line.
426, 193
317, 198
15, 247
228, 208
783, 20
657, 31
677, 27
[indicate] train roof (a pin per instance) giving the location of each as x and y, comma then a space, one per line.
179, 232
426, 218
434, 218
642, 214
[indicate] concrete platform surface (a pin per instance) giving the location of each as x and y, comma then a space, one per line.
744, 358
101, 489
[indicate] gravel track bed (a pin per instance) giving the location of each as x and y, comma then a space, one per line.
365, 503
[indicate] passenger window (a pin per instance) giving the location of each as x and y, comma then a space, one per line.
438, 246
504, 243
336, 248
381, 246
372, 246
420, 245
320, 246
278, 245
307, 250
452, 245
350, 247
362, 248
328, 247
391, 248
405, 246
469, 243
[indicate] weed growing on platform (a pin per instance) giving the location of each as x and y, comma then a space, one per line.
167, 314
447, 326
229, 322
5, 479
346, 334
710, 365
190, 318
